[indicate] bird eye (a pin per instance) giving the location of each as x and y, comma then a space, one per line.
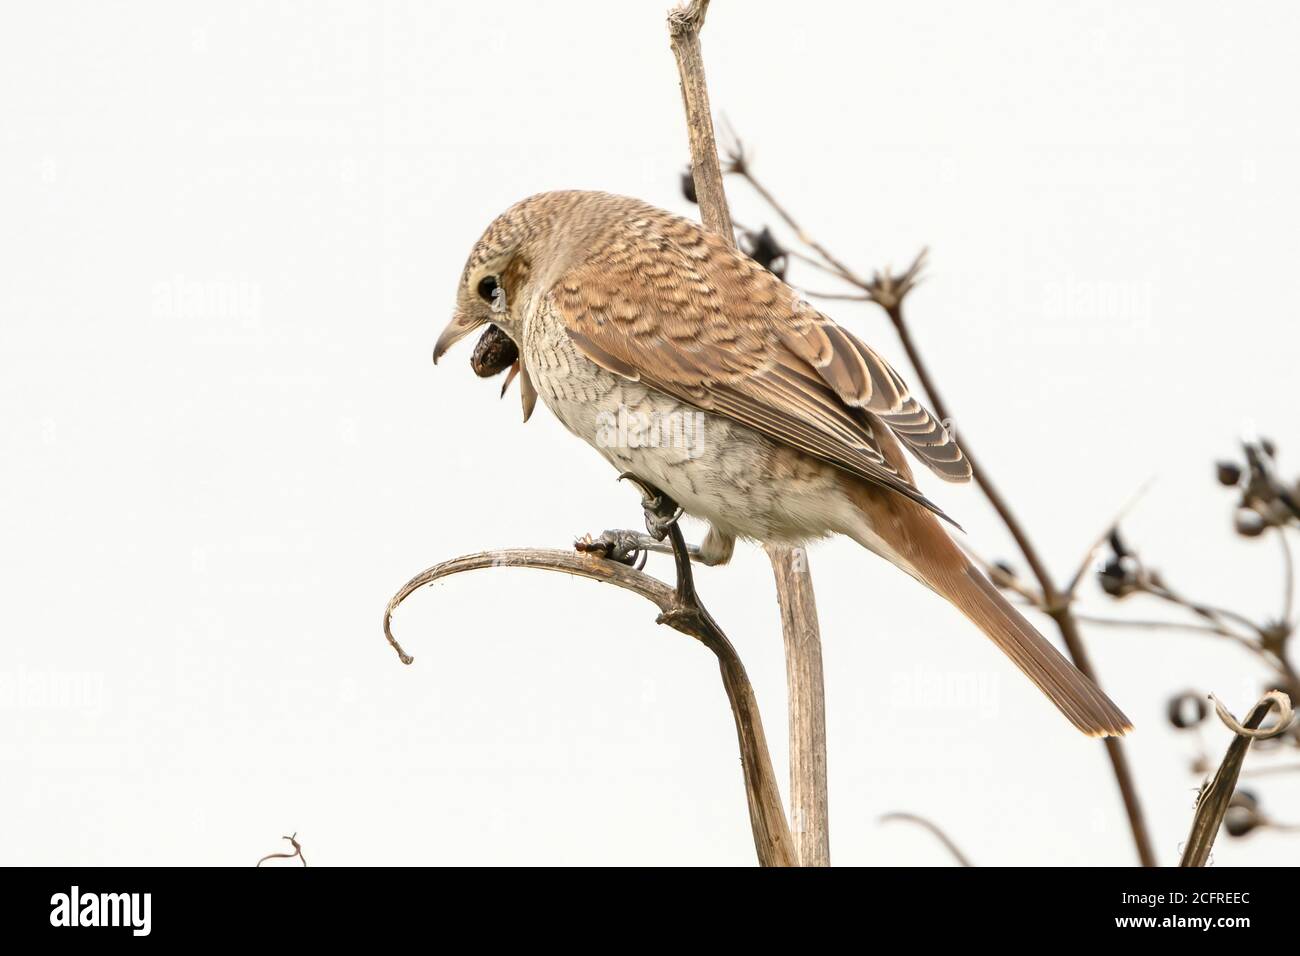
487, 288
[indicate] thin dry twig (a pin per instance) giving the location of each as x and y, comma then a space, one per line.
1215, 797
1156, 625
949, 845
738, 164
297, 852
1288, 580
1072, 589
1126, 574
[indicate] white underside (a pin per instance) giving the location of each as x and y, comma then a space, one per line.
742, 483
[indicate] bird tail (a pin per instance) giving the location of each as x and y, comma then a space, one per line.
1082, 702
906, 534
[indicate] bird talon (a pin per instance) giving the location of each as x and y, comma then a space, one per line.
661, 511
658, 523
621, 546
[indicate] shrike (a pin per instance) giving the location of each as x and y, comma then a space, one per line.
619, 309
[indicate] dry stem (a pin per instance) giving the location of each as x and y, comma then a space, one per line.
807, 707
1214, 799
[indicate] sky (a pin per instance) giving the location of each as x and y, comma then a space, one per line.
231, 236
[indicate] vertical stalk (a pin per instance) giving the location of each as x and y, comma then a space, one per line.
807, 708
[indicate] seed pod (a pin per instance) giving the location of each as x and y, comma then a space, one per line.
1239, 821
1229, 473
763, 248
1186, 710
1249, 524
1244, 798
1116, 578
1002, 574
688, 186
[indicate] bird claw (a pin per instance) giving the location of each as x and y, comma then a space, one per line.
625, 547
661, 512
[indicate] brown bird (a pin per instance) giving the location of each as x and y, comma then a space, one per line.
687, 364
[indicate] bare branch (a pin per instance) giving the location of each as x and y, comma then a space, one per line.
684, 26
1288, 579
1154, 625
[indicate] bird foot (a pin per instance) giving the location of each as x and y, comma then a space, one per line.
625, 547
632, 547
661, 512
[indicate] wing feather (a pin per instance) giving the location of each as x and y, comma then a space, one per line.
660, 301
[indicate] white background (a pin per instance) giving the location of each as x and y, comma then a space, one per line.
230, 236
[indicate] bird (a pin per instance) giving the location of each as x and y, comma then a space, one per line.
690, 366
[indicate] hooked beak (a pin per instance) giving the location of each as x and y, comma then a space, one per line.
460, 326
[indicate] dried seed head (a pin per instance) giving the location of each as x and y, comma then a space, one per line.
1186, 710
763, 248
688, 185
1243, 814
1003, 574
1118, 577
1249, 524
1245, 799
1229, 473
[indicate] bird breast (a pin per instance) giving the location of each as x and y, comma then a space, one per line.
739, 480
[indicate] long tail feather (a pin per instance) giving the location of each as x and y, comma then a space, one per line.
1079, 699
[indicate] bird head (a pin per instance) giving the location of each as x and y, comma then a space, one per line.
491, 290
524, 249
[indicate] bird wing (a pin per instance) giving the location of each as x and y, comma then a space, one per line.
660, 301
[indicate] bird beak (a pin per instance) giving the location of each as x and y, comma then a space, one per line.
460, 326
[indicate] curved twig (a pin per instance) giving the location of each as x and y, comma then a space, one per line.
1214, 798
942, 837
297, 852
772, 839
568, 562
1284, 717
